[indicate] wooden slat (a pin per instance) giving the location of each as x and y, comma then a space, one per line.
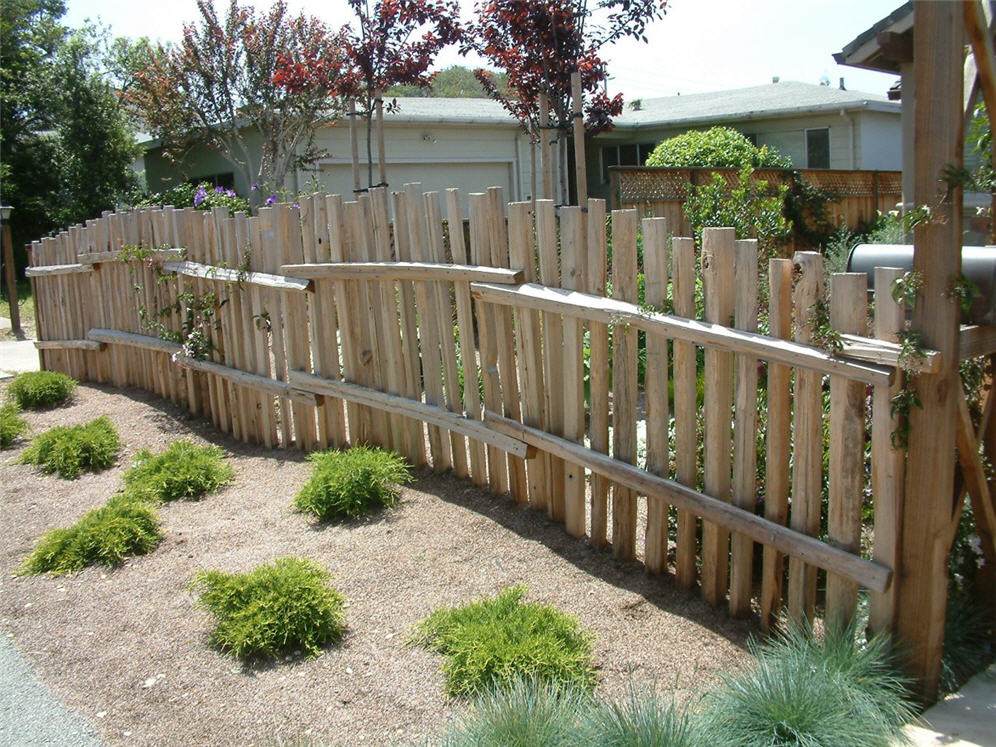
848, 313
598, 369
658, 412
99, 257
778, 438
718, 287
130, 339
887, 353
572, 270
269, 258
230, 275
505, 334
744, 428
685, 410
429, 413
553, 357
69, 344
809, 549
465, 327
715, 336
259, 383
528, 344
406, 271
807, 457
974, 474
624, 382
975, 341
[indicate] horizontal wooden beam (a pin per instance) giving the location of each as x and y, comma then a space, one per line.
94, 258
229, 275
411, 408
405, 271
887, 353
252, 381
43, 271
867, 573
130, 339
69, 345
716, 336
976, 340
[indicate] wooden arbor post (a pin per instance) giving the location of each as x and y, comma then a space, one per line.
938, 137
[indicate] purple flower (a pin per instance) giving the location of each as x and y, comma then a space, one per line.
271, 199
199, 197
230, 192
255, 186
219, 190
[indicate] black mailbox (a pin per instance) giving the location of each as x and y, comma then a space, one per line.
978, 264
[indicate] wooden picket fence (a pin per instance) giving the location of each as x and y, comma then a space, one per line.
499, 353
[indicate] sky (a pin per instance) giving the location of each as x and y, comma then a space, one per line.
699, 46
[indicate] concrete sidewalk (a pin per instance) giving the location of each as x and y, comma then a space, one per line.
17, 356
966, 718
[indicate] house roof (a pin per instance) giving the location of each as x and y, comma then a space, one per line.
866, 49
757, 102
449, 111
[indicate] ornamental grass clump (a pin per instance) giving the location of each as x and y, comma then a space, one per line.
36, 389
642, 718
183, 471
284, 608
12, 425
70, 451
525, 711
806, 690
491, 642
122, 527
353, 483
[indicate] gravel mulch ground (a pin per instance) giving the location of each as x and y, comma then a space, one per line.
128, 649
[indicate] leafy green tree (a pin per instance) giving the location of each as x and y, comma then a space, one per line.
718, 147
66, 148
453, 82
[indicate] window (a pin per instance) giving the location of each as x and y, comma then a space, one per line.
628, 154
226, 179
751, 138
818, 148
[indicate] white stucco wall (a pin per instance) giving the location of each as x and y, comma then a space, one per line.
880, 142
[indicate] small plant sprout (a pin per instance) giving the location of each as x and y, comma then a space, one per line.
70, 451
183, 471
284, 608
492, 641
124, 526
353, 483
33, 390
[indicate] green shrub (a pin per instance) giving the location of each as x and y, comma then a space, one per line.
12, 425
641, 719
524, 712
122, 527
802, 690
352, 483
281, 608
717, 147
184, 470
492, 641
72, 450
35, 389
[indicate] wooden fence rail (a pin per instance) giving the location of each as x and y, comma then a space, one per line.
507, 361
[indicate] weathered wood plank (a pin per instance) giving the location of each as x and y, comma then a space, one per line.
685, 410
572, 270
53, 270
230, 275
405, 271
598, 368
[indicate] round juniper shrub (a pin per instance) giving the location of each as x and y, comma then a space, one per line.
352, 483
72, 450
283, 608
183, 471
37, 389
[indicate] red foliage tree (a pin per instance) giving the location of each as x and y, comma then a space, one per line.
245, 76
540, 43
394, 42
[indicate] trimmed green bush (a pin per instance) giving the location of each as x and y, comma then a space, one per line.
72, 450
350, 484
717, 147
641, 719
36, 389
183, 471
109, 534
806, 690
274, 609
490, 642
12, 425
523, 712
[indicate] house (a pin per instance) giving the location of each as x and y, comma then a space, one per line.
474, 144
818, 127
